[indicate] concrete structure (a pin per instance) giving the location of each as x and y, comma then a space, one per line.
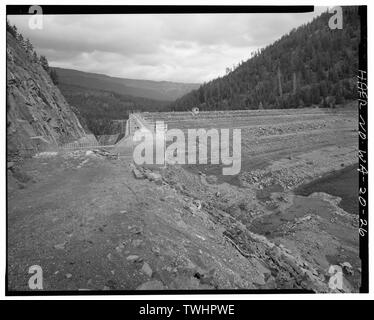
135, 122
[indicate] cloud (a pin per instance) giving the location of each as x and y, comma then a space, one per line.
178, 47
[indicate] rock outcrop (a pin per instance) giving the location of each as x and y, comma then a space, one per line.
38, 116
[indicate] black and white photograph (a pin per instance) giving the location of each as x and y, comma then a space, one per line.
186, 149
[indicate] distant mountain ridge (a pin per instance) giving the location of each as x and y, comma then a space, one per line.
156, 90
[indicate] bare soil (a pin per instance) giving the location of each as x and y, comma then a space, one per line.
91, 224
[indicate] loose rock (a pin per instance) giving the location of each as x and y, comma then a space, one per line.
60, 246
133, 258
154, 176
147, 270
347, 268
138, 174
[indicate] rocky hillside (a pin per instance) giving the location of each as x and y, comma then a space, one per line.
38, 116
97, 108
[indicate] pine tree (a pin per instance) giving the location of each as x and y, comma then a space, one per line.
11, 29
44, 63
20, 38
54, 77
35, 57
29, 47
298, 69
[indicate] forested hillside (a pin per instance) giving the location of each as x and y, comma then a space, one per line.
155, 90
97, 108
311, 65
98, 99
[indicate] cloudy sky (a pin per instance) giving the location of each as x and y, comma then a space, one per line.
184, 48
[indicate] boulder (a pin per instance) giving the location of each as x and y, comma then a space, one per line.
133, 258
147, 270
154, 176
138, 174
347, 268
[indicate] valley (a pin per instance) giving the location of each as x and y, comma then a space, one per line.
84, 209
